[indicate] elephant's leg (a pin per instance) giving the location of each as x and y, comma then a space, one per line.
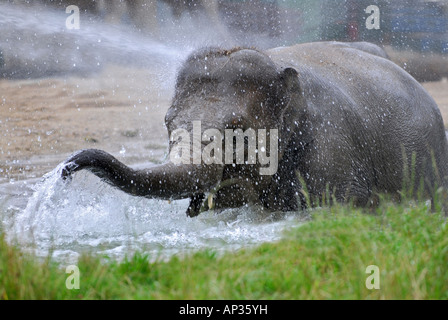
358, 191
196, 203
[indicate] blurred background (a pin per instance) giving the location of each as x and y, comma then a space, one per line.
409, 29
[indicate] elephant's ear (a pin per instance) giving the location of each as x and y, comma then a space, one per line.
290, 79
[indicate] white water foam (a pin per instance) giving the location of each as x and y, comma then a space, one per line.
67, 218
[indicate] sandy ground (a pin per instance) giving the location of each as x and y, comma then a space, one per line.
121, 111
43, 121
439, 91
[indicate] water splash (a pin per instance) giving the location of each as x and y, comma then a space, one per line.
67, 218
35, 42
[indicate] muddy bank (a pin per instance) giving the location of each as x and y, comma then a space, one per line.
120, 110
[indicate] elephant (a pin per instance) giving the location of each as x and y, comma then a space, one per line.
350, 125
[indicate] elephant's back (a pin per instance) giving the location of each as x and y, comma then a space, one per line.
357, 79
357, 97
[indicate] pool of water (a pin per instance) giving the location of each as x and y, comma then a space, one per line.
50, 216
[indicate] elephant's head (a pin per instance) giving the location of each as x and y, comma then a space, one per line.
230, 120
240, 92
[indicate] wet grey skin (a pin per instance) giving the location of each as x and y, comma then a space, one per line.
351, 124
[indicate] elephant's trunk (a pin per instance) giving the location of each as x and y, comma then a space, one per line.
165, 181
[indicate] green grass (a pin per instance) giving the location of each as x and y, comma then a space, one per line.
323, 259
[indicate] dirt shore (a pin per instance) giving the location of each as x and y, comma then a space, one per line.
120, 110
43, 121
